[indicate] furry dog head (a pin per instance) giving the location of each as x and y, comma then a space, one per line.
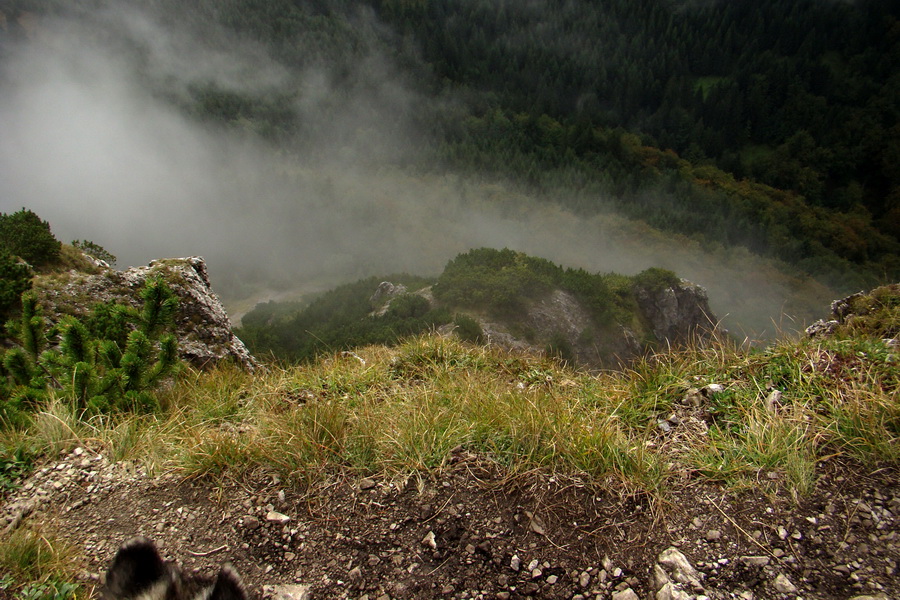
138, 572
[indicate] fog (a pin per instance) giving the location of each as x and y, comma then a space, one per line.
94, 142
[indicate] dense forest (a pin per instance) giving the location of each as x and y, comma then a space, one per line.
764, 124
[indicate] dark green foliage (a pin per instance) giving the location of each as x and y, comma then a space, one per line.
655, 279
710, 80
76, 342
619, 171
31, 326
159, 307
270, 115
110, 321
498, 281
408, 306
25, 235
501, 282
14, 463
468, 329
561, 349
340, 319
95, 250
15, 279
111, 360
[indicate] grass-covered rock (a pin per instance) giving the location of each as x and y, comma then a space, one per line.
502, 297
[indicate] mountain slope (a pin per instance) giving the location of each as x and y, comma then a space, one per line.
439, 469
501, 296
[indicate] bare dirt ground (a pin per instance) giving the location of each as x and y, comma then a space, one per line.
469, 531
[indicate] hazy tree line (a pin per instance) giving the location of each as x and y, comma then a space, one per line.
768, 124
801, 95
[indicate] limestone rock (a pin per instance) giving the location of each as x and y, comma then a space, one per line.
289, 592
783, 585
277, 517
821, 328
681, 569
626, 594
202, 326
382, 297
674, 315
386, 290
843, 308
677, 313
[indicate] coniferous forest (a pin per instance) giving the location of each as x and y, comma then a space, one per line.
764, 124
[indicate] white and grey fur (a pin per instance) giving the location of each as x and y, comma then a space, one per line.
138, 572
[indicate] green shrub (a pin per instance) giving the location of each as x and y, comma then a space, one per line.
94, 362
468, 329
25, 235
655, 279
408, 306
338, 320
495, 280
561, 349
502, 281
95, 250
15, 279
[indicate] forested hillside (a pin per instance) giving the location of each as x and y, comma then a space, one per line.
503, 297
768, 125
800, 96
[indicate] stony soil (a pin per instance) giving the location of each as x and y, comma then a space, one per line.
471, 532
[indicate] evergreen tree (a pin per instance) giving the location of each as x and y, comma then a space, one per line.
26, 235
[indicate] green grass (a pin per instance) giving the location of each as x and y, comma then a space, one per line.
36, 566
401, 411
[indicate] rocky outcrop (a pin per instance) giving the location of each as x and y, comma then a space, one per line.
384, 295
840, 309
387, 290
676, 314
670, 315
563, 324
870, 313
204, 332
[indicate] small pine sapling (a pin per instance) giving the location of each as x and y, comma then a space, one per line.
111, 360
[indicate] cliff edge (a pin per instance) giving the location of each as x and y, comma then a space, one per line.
203, 329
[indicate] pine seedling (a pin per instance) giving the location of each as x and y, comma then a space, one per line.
31, 326
159, 308
98, 363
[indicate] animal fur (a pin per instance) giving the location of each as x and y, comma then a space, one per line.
138, 572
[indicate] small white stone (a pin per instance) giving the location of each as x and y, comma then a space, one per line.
276, 517
783, 585
429, 540
515, 563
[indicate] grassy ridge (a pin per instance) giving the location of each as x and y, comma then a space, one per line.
402, 409
712, 413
